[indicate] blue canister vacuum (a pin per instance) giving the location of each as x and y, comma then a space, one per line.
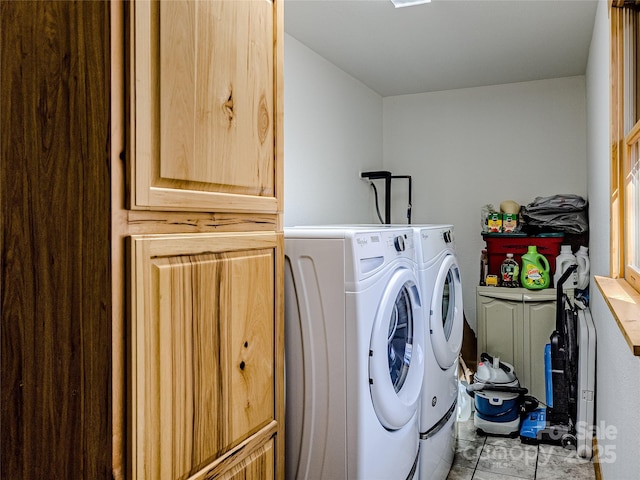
498, 397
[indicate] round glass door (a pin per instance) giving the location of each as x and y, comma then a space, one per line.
400, 339
396, 362
446, 314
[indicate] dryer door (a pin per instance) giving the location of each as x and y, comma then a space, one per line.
396, 356
446, 316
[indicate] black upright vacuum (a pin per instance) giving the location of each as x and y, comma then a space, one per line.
555, 424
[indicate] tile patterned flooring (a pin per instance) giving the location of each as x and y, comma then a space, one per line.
480, 457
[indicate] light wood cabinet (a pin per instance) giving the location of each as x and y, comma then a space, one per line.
204, 93
515, 324
257, 465
202, 348
203, 221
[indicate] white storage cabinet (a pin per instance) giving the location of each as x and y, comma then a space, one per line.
515, 324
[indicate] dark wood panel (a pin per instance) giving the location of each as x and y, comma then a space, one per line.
55, 271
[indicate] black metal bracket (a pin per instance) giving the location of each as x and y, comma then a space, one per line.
410, 203
378, 175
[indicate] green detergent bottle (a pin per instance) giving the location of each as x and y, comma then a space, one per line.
535, 270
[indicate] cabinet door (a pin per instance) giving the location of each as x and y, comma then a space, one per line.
202, 340
206, 105
257, 466
539, 323
500, 330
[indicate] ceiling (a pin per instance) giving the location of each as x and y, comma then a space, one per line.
446, 44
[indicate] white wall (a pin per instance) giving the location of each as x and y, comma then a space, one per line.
618, 371
469, 147
332, 132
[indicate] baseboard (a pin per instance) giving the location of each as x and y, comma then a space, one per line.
596, 459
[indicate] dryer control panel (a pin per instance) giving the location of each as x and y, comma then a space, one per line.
434, 240
375, 249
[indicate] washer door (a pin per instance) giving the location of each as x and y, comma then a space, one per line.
446, 315
396, 358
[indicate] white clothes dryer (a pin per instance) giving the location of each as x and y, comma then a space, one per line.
354, 355
441, 288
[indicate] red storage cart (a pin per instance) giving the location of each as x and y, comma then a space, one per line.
499, 244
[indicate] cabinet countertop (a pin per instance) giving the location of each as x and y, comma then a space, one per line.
518, 294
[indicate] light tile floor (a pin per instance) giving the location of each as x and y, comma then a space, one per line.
484, 457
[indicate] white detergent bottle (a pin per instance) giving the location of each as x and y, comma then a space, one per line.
563, 262
582, 258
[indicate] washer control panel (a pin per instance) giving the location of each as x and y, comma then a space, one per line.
434, 240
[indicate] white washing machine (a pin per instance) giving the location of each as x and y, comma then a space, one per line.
354, 353
441, 288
